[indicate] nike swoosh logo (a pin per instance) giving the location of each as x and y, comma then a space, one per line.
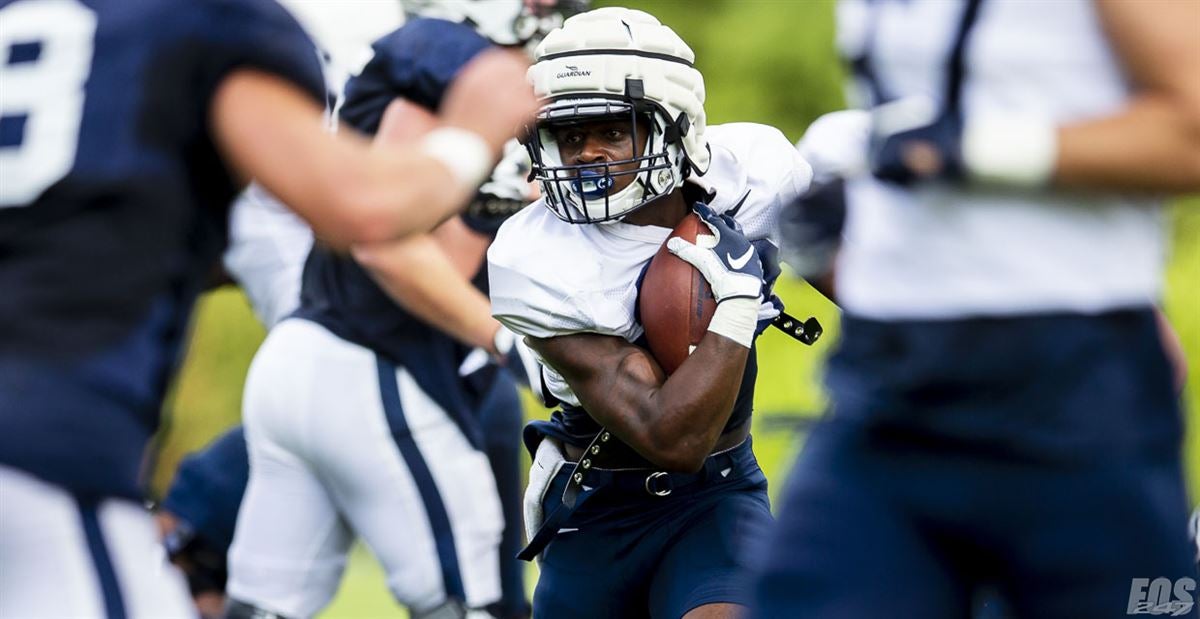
740, 261
565, 530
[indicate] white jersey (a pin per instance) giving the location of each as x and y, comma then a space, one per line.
939, 251
549, 277
268, 245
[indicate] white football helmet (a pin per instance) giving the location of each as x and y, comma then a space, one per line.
616, 63
503, 22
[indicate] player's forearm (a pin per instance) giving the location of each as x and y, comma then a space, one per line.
689, 411
418, 275
673, 421
1153, 145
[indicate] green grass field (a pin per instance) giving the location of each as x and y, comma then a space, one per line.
766, 61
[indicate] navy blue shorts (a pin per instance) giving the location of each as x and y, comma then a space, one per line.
627, 553
1037, 458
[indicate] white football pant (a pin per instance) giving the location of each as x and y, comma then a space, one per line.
343, 444
63, 557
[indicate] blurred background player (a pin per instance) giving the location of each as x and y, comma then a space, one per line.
266, 256
126, 131
518, 24
1003, 410
651, 519
435, 337
197, 516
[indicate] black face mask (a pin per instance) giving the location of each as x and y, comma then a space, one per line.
580, 193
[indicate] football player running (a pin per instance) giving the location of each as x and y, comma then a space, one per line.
397, 333
126, 130
644, 486
1003, 414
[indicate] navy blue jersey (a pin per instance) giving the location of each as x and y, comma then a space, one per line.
417, 62
114, 202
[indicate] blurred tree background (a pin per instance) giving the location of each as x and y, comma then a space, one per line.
768, 61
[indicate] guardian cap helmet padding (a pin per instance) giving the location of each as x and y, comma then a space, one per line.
616, 63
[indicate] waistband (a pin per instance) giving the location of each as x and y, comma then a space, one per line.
631, 484
655, 482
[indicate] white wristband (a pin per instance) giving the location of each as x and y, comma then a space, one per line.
1010, 151
464, 152
736, 320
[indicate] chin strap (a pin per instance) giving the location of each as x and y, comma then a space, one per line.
806, 332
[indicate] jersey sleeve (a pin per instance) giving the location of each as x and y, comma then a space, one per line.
257, 34
547, 288
776, 174
528, 306
417, 61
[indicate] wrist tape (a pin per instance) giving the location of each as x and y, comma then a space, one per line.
736, 320
464, 152
1020, 152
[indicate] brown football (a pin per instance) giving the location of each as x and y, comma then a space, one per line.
675, 302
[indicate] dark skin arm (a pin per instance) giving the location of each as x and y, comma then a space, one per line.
673, 421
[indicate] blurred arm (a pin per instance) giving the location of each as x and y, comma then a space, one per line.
429, 274
268, 130
1154, 143
273, 133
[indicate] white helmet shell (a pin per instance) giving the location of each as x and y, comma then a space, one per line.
610, 62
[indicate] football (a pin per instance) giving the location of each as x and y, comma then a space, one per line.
675, 302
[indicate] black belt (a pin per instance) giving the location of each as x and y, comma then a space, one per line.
586, 478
